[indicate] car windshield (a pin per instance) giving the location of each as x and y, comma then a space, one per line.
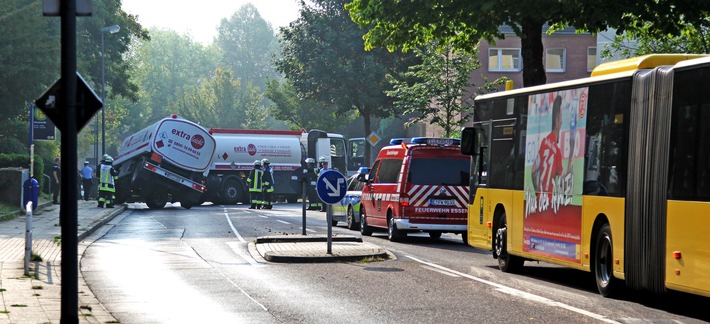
439, 171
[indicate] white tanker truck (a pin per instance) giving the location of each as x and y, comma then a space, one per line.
165, 162
286, 151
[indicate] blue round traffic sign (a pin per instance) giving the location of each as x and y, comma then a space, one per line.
331, 186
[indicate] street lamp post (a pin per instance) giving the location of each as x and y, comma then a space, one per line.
111, 29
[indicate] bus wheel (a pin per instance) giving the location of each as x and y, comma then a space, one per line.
603, 262
351, 218
364, 229
435, 235
393, 234
506, 262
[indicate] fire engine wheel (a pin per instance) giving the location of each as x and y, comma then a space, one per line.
156, 200
603, 262
364, 229
352, 224
393, 234
232, 192
506, 262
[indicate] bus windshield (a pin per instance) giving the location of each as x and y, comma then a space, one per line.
439, 171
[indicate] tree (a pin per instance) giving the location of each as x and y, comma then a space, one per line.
164, 67
323, 58
247, 43
642, 40
438, 93
223, 102
302, 113
408, 24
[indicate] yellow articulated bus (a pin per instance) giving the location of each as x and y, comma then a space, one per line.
608, 174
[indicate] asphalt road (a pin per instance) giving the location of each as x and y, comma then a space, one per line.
185, 266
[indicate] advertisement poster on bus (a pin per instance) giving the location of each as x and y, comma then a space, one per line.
554, 165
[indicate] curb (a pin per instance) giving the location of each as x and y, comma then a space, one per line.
312, 249
101, 223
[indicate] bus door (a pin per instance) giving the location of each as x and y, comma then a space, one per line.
357, 155
475, 141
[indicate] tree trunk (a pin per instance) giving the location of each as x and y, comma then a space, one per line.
532, 52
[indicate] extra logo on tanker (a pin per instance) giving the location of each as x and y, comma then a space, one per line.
197, 141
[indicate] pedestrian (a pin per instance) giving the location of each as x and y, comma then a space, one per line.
254, 182
267, 184
56, 177
107, 183
87, 179
313, 200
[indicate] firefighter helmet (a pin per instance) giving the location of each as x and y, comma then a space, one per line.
257, 163
265, 161
310, 160
108, 158
322, 159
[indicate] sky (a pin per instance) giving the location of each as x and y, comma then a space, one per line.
200, 19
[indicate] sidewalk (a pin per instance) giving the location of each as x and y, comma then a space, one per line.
37, 298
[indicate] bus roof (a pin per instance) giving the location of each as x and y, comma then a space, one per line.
642, 62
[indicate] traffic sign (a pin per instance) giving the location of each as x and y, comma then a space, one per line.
87, 103
42, 127
373, 138
331, 186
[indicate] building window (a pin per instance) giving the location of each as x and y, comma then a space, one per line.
591, 58
504, 59
555, 60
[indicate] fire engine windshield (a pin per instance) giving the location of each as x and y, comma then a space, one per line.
439, 171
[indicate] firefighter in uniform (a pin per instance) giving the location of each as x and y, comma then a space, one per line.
322, 167
107, 185
313, 200
267, 181
255, 185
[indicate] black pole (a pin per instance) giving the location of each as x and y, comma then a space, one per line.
68, 207
303, 198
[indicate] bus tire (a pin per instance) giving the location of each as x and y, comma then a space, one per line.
603, 262
394, 234
364, 229
506, 261
435, 235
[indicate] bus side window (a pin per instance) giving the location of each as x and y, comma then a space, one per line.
607, 135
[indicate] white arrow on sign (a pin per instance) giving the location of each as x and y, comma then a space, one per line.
334, 190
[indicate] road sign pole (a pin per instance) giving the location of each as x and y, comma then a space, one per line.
329, 213
303, 198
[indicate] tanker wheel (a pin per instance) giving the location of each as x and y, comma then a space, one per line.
156, 200
232, 192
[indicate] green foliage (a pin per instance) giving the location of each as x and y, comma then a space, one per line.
247, 44
408, 24
644, 40
223, 102
324, 60
302, 113
435, 91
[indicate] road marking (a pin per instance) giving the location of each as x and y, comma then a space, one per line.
236, 247
519, 293
234, 230
440, 271
282, 222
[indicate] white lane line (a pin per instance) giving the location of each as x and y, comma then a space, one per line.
310, 230
519, 293
262, 216
234, 230
236, 247
440, 271
282, 222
